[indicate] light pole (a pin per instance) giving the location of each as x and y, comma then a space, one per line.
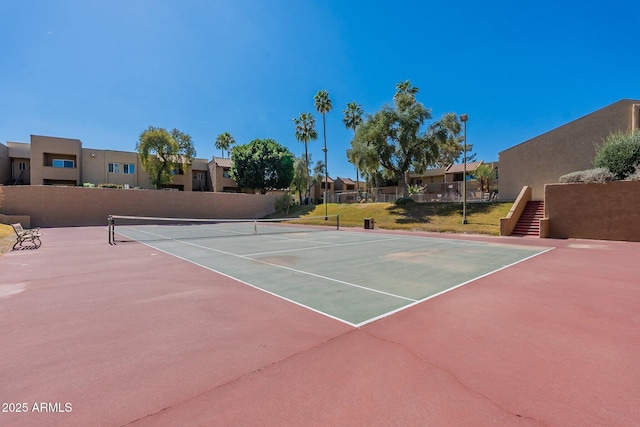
463, 119
326, 176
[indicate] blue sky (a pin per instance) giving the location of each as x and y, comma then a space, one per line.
103, 71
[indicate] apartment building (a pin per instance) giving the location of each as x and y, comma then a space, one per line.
220, 172
50, 160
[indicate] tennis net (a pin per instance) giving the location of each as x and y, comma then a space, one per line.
145, 228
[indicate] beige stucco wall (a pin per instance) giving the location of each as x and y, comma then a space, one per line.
50, 206
200, 166
41, 145
91, 165
219, 181
594, 211
95, 168
23, 220
569, 148
5, 164
20, 152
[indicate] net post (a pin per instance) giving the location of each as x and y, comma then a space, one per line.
255, 227
338, 222
110, 229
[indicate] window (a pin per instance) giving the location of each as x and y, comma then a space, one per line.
177, 171
198, 175
226, 173
61, 163
22, 166
114, 167
129, 168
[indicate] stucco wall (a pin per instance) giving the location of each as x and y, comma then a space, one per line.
569, 148
45, 146
50, 206
594, 211
5, 164
95, 168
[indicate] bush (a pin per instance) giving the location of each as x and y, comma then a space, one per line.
88, 185
403, 201
415, 190
110, 186
634, 176
599, 176
620, 153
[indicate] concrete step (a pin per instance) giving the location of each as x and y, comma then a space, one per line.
529, 221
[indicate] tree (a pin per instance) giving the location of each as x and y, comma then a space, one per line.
365, 159
484, 174
405, 88
299, 183
162, 152
352, 119
395, 135
323, 105
305, 132
451, 142
262, 164
319, 176
620, 153
224, 141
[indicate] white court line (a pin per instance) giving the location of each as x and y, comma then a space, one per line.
281, 266
357, 325
246, 283
329, 245
450, 289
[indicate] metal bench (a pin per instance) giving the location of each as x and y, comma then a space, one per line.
32, 235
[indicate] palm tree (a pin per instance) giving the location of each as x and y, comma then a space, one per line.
406, 88
323, 105
352, 119
224, 142
305, 132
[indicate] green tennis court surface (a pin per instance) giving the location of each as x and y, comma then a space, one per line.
355, 277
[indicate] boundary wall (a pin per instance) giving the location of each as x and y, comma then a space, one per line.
24, 220
594, 211
49, 206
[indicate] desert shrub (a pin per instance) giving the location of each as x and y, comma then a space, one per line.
110, 186
634, 176
598, 175
88, 185
620, 153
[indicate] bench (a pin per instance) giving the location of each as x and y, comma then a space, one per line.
32, 235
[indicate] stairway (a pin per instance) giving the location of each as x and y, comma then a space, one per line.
529, 222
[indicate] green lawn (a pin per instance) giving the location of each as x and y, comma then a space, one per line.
483, 218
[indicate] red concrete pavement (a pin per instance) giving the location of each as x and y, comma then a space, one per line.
128, 335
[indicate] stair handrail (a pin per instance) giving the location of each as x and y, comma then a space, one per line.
508, 223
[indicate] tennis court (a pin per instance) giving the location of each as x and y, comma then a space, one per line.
355, 277
131, 335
